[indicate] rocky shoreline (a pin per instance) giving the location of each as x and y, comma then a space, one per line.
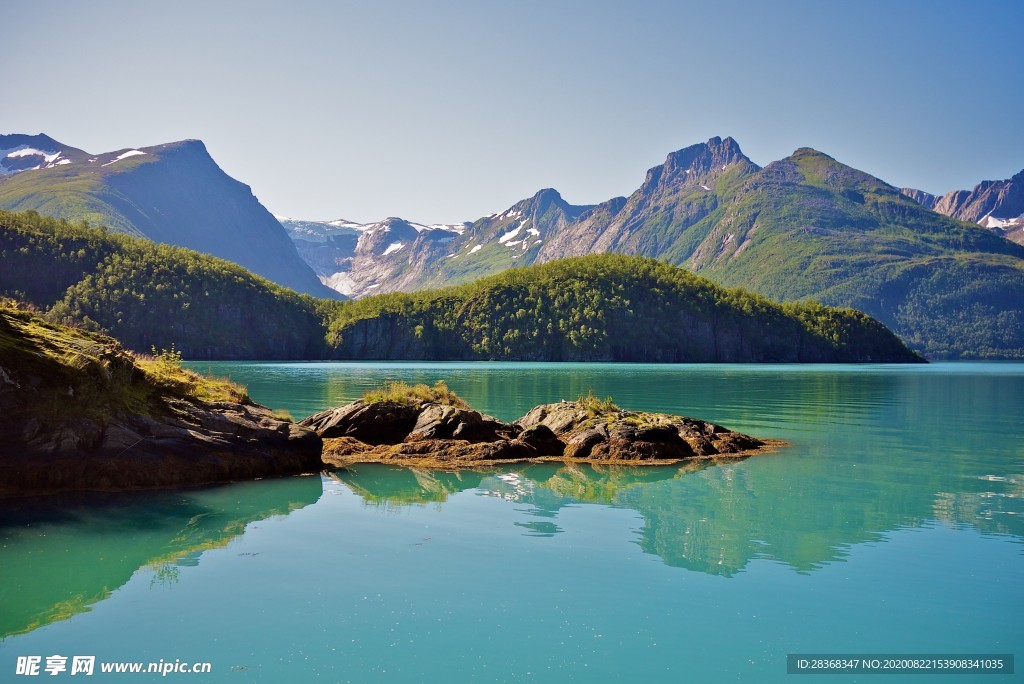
82, 413
429, 434
190, 444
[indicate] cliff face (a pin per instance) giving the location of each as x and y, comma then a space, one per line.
173, 193
80, 413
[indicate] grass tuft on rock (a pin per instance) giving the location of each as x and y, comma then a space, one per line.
596, 406
81, 373
403, 393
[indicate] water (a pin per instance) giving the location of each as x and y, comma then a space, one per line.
893, 524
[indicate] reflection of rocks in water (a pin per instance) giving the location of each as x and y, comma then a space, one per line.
389, 486
64, 553
601, 484
717, 518
539, 528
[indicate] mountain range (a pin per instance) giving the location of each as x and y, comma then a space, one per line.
998, 205
803, 227
173, 193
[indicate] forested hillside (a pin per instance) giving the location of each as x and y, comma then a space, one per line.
147, 295
604, 308
601, 307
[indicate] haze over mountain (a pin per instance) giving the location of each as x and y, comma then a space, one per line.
998, 205
173, 193
802, 227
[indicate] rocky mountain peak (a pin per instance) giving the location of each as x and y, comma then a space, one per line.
997, 205
697, 163
543, 202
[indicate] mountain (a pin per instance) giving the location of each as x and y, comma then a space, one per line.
357, 258
30, 152
604, 307
173, 193
998, 205
802, 227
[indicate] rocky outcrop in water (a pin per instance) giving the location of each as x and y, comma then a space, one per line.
431, 434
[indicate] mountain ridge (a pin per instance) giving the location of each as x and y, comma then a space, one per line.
997, 205
805, 226
173, 193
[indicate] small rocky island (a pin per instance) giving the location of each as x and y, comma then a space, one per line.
427, 427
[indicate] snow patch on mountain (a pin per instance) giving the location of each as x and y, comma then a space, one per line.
124, 155
47, 159
341, 281
990, 221
513, 233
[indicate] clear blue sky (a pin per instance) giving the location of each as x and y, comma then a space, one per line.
446, 111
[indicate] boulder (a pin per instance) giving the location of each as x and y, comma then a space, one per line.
610, 434
379, 422
542, 440
439, 421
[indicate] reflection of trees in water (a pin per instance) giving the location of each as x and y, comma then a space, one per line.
804, 508
63, 554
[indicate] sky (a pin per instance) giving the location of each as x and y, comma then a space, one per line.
441, 111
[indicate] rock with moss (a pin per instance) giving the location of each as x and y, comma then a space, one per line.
81, 413
429, 433
610, 433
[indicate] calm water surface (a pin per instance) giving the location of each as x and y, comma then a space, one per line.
894, 523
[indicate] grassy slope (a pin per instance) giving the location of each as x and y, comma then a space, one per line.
626, 308
86, 375
75, 192
814, 228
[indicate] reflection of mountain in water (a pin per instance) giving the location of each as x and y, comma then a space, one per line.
63, 554
805, 512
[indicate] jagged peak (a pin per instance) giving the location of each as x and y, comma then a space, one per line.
540, 203
699, 161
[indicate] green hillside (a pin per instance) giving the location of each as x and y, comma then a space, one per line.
147, 295
804, 227
810, 227
601, 307
604, 308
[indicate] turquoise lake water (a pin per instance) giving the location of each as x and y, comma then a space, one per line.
894, 523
